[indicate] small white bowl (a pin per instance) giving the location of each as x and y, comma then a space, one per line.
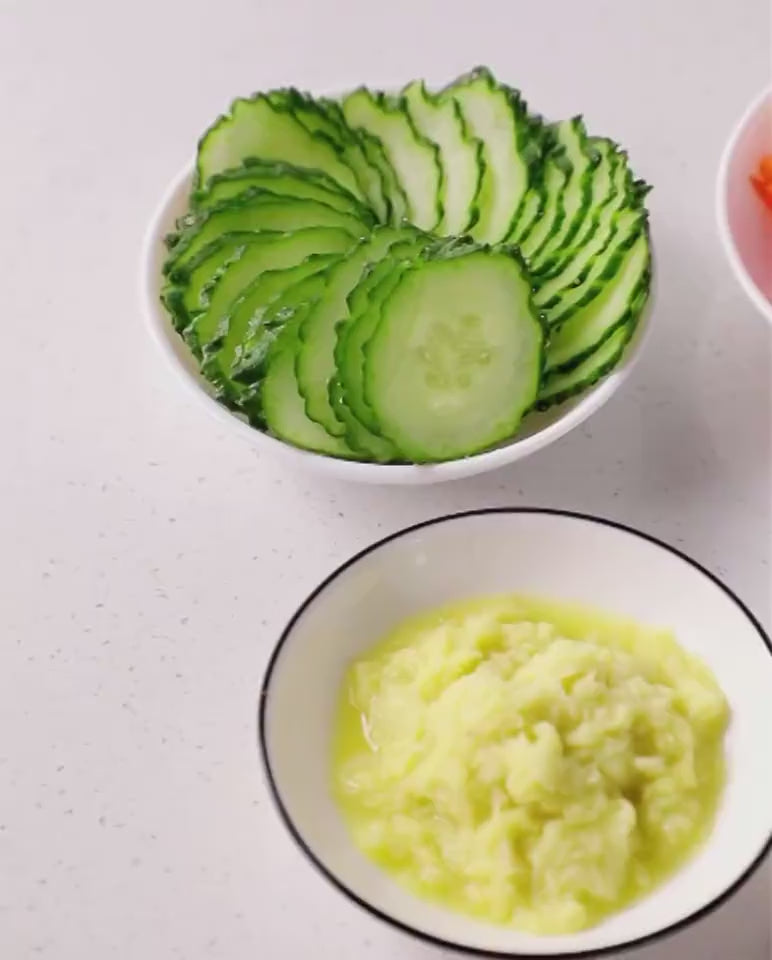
744, 223
557, 555
538, 431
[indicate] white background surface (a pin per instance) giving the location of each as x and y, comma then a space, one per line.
148, 562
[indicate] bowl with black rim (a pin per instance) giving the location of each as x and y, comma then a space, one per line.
554, 554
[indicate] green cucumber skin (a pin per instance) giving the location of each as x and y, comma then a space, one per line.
441, 98
556, 263
639, 301
394, 197
372, 157
361, 320
577, 217
317, 402
557, 298
637, 304
213, 365
557, 156
529, 144
199, 179
555, 322
391, 105
255, 167
545, 401
253, 197
332, 125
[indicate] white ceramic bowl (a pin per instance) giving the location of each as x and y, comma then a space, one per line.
744, 223
539, 430
559, 555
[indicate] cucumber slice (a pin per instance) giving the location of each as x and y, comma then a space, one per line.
249, 367
363, 154
562, 386
609, 194
604, 188
415, 159
182, 294
456, 359
248, 311
282, 405
316, 354
438, 117
394, 199
209, 326
267, 252
282, 179
255, 127
357, 436
364, 306
591, 256
254, 210
549, 216
497, 116
245, 318
571, 135
618, 305
602, 271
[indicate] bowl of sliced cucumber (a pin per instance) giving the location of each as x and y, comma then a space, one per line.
401, 288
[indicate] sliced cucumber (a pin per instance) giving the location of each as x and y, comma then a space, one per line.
268, 252
415, 159
207, 329
282, 179
258, 128
497, 116
586, 259
245, 318
439, 118
616, 306
183, 291
549, 216
249, 367
357, 436
457, 356
255, 210
603, 270
364, 306
316, 354
571, 135
282, 405
562, 386
368, 161
325, 118
319, 307
603, 189
609, 194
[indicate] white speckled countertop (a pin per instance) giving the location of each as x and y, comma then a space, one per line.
149, 561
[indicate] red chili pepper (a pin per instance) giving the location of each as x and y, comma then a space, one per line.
761, 181
763, 188
765, 168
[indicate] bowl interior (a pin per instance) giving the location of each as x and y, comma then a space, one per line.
748, 221
560, 556
538, 429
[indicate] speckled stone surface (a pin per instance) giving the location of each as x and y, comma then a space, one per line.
149, 560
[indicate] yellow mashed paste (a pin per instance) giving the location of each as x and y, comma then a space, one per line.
528, 762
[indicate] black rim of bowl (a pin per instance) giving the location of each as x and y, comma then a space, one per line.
648, 938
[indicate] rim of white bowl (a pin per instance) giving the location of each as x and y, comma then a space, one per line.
354, 470
722, 209
374, 911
